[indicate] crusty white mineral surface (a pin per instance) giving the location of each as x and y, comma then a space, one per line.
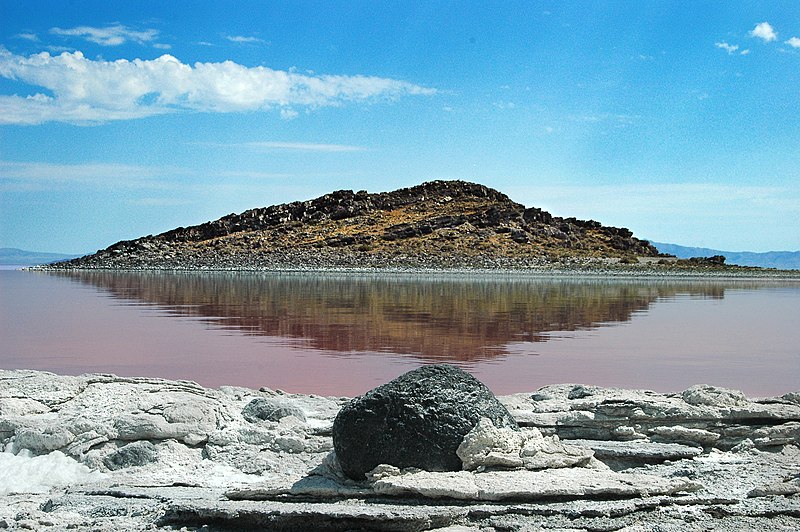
100, 452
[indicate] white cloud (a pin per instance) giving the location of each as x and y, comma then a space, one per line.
113, 35
730, 48
765, 32
243, 40
746, 51
81, 90
794, 42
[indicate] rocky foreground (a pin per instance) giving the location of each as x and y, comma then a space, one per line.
100, 452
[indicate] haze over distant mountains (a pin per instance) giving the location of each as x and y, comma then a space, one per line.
21, 257
783, 260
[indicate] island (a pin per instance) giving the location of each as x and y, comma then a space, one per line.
438, 225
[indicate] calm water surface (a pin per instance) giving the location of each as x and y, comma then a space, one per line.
344, 334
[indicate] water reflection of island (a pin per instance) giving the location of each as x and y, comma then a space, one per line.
436, 318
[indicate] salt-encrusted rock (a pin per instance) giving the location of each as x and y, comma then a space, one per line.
487, 446
703, 394
792, 397
271, 409
44, 439
548, 452
417, 420
777, 435
679, 434
788, 487
529, 485
287, 465
638, 452
702, 415
138, 453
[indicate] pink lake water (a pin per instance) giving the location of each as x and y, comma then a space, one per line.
343, 334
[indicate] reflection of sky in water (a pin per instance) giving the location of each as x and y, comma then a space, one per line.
345, 334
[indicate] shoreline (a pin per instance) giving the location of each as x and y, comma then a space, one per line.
577, 272
160, 454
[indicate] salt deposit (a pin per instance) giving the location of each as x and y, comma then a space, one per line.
25, 473
98, 452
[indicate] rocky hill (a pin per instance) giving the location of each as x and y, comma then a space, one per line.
435, 224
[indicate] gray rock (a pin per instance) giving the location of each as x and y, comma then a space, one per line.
270, 409
45, 439
417, 420
708, 416
703, 394
529, 485
487, 446
138, 453
679, 434
638, 452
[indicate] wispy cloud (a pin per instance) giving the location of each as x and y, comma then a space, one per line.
240, 39
287, 146
304, 146
503, 105
159, 202
82, 90
764, 31
112, 35
794, 42
100, 174
27, 36
597, 118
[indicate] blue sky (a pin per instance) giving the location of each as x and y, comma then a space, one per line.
679, 120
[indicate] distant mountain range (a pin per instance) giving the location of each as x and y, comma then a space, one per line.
21, 257
783, 260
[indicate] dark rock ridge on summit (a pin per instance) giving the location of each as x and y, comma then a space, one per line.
435, 224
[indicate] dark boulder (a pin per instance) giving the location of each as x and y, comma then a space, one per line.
417, 420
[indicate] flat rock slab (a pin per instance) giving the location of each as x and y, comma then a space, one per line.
531, 485
334, 516
638, 451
